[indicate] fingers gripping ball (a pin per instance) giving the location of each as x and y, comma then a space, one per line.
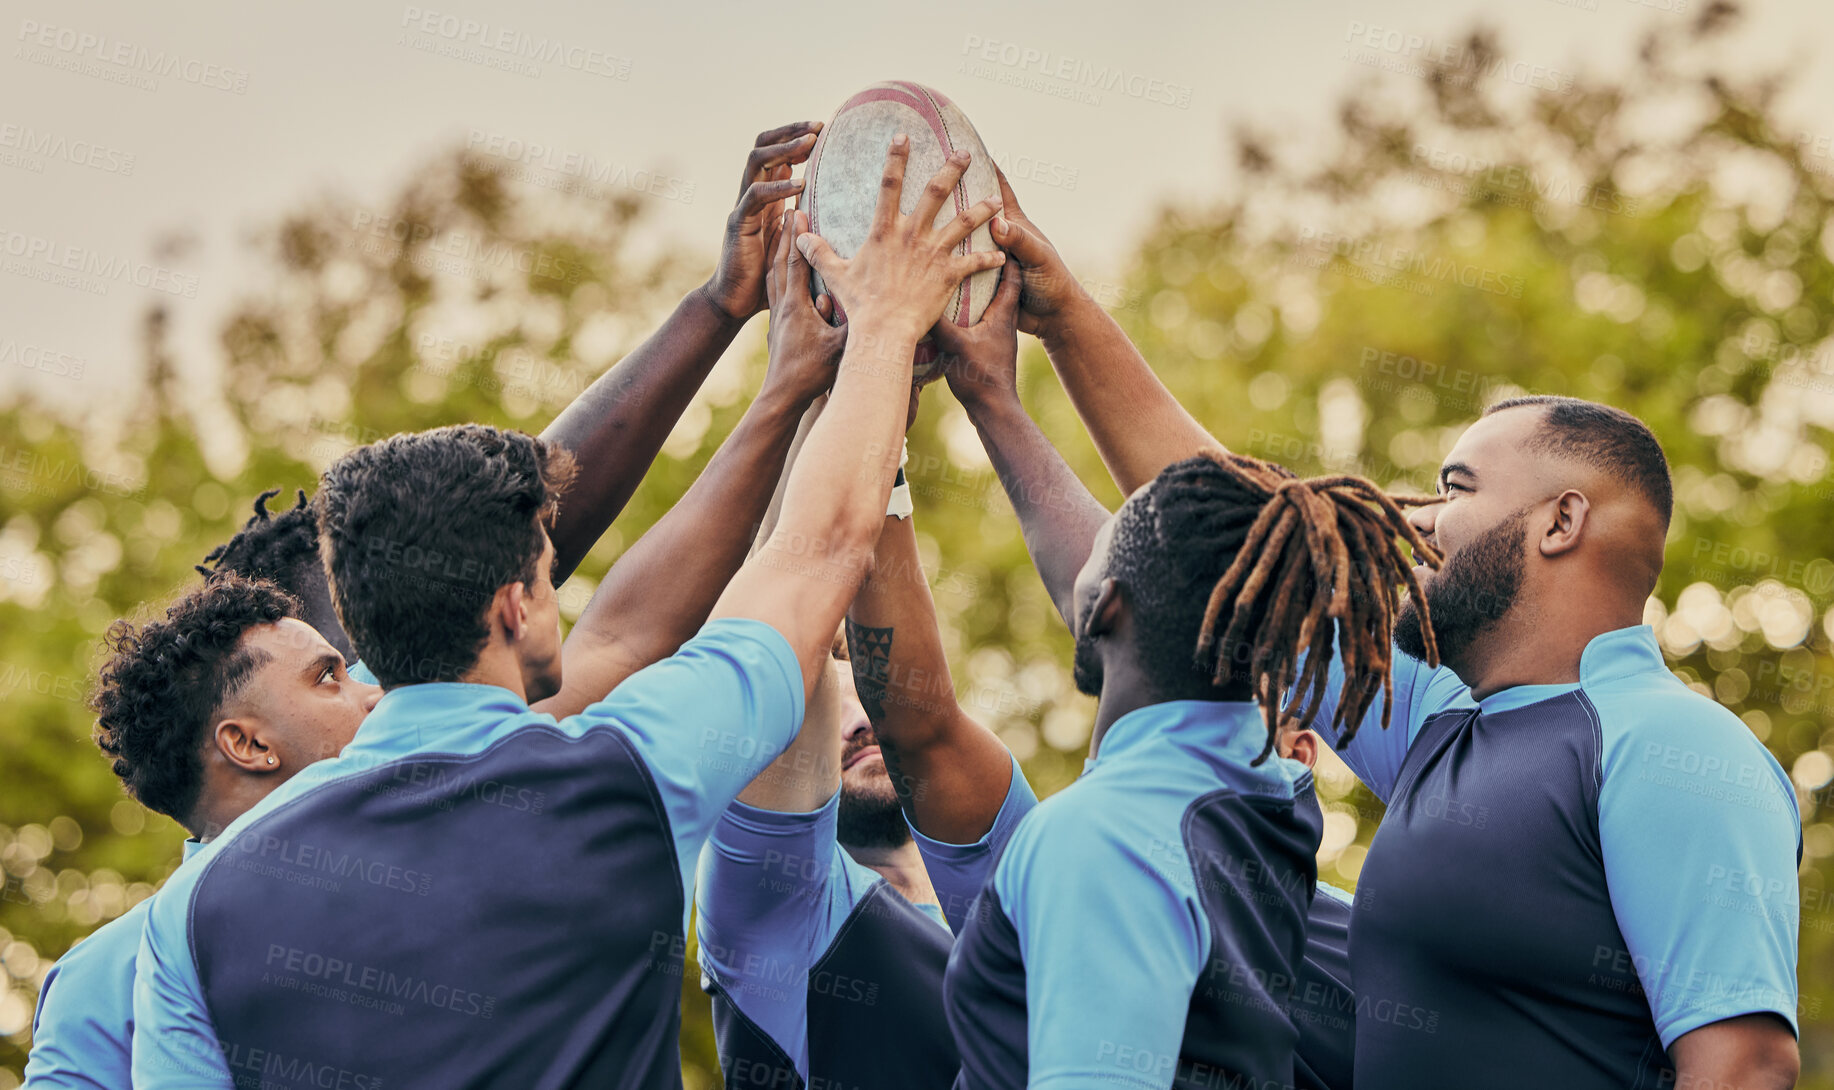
843, 185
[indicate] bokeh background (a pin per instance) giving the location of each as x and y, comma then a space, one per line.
1337, 234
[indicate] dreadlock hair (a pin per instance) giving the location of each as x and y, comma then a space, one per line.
1292, 566
165, 681
271, 547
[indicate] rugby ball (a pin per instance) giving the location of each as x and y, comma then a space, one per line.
842, 184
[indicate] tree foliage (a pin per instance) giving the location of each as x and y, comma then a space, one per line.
1656, 240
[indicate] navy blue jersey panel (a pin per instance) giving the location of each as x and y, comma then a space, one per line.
1482, 911
498, 919
875, 1001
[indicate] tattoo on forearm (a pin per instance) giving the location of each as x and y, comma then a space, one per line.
871, 651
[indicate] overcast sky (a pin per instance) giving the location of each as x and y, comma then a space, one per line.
122, 123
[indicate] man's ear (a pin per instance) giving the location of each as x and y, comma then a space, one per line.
1562, 534
1304, 746
1106, 613
238, 741
510, 607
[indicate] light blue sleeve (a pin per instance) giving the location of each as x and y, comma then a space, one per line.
772, 890
1375, 754
706, 721
362, 673
1701, 839
958, 871
82, 1029
175, 1043
1112, 952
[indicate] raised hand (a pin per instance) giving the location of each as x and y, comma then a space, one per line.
737, 284
1048, 286
804, 348
981, 360
898, 281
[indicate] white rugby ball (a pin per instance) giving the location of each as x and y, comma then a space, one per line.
842, 184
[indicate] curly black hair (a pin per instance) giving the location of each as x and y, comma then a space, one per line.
419, 531
164, 682
271, 547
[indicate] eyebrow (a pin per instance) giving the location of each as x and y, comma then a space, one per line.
1455, 467
321, 662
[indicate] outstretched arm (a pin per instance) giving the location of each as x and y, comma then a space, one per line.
659, 593
1137, 425
808, 773
951, 773
1057, 513
892, 289
615, 427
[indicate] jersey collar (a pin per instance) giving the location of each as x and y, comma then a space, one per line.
1609, 656
1227, 734
415, 717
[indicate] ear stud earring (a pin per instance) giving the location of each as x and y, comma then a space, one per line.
270, 760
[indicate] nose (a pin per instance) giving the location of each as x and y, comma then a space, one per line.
371, 694
856, 723
1424, 518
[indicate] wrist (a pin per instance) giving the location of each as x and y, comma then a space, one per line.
780, 397
987, 405
708, 296
1054, 329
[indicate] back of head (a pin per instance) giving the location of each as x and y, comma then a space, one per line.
282, 549
270, 547
419, 531
165, 681
1237, 572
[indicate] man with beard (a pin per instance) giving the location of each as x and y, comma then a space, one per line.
821, 941
83, 1027
1146, 925
1586, 876
561, 850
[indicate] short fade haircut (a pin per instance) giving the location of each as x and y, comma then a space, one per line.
271, 547
419, 531
166, 681
1605, 438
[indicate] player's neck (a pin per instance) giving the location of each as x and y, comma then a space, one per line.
497, 665
1537, 647
902, 866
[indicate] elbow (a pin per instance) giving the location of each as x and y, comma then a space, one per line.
853, 534
1772, 1062
1777, 1064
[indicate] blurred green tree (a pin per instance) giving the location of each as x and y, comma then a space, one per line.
1656, 240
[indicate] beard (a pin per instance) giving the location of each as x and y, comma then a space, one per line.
1086, 667
1474, 590
870, 815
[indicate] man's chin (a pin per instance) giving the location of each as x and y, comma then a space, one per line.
1408, 635
869, 782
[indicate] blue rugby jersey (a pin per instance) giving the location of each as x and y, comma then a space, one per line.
1568, 877
1144, 926
821, 973
1322, 1002
471, 894
83, 1027
958, 871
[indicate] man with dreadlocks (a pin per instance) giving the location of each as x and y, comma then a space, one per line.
1586, 875
1145, 926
